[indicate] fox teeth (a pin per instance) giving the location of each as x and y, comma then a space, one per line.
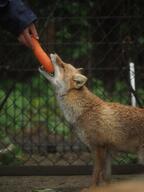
53, 58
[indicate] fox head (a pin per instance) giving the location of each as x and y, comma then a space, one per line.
65, 77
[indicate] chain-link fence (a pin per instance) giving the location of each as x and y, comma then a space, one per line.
33, 131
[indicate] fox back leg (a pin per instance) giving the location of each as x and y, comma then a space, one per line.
141, 154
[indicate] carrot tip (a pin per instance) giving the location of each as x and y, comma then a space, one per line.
41, 55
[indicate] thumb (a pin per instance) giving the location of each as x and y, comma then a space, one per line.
33, 31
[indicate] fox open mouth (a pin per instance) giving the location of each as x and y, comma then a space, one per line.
50, 74
57, 70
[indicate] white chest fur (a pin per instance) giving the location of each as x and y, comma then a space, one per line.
71, 114
82, 135
72, 111
68, 110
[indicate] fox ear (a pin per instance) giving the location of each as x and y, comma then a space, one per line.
81, 70
79, 80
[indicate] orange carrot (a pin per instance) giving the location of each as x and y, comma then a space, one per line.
42, 56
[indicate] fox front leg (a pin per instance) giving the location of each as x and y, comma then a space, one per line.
101, 170
102, 166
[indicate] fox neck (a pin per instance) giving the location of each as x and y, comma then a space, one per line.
77, 102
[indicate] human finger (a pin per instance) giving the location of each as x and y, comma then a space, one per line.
22, 40
33, 31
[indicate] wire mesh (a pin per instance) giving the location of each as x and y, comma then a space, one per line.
33, 129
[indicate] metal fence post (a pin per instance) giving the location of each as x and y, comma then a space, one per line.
132, 82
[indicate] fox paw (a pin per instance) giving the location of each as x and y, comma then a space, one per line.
89, 189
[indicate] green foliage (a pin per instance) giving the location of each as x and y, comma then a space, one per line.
79, 46
119, 94
29, 105
98, 89
12, 157
140, 93
125, 158
36, 104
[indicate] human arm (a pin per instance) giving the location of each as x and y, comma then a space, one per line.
17, 18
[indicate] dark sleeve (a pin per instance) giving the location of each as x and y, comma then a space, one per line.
3, 3
15, 16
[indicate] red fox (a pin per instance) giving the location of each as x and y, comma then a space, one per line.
102, 126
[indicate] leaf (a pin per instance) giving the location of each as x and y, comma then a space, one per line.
141, 40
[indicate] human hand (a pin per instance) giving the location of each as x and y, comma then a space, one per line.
25, 36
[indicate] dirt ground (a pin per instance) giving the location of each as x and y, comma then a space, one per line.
52, 183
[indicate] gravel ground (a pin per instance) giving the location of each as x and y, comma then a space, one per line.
33, 183
52, 184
